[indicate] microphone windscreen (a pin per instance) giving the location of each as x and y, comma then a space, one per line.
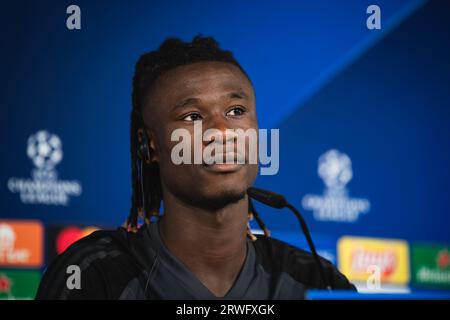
267, 197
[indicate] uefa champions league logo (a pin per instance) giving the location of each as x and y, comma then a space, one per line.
45, 151
335, 169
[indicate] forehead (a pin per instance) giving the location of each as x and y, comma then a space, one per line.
197, 79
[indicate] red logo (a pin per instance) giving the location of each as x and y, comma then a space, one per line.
70, 235
5, 284
443, 259
385, 259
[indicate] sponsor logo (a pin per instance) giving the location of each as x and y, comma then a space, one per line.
71, 234
21, 243
431, 266
19, 284
60, 237
358, 257
443, 259
335, 169
5, 284
45, 151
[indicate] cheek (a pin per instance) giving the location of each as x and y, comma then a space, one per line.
252, 172
183, 140
165, 145
167, 167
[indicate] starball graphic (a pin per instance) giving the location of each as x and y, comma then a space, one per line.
45, 151
335, 169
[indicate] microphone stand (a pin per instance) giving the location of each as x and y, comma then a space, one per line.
278, 201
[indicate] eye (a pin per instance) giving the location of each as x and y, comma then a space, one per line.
236, 111
192, 117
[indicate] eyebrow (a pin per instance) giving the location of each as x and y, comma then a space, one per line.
191, 100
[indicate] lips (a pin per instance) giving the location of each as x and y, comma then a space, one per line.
223, 168
226, 158
236, 161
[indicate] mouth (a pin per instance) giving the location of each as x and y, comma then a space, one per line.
232, 162
223, 167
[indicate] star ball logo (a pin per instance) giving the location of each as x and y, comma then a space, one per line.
45, 151
335, 169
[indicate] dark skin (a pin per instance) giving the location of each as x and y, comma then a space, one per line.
205, 207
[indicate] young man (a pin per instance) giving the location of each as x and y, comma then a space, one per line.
200, 247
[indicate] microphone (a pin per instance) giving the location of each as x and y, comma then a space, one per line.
277, 201
267, 197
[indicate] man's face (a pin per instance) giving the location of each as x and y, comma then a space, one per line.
219, 95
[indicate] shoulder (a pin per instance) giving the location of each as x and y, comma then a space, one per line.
96, 267
277, 256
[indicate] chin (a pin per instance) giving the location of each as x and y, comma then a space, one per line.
211, 190
219, 198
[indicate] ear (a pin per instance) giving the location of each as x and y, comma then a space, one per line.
152, 144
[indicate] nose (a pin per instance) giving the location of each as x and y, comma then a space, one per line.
218, 125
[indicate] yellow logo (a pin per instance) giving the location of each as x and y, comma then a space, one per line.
358, 257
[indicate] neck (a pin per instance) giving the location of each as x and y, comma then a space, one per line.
210, 243
204, 234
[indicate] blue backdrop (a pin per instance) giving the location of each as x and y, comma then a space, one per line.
378, 97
